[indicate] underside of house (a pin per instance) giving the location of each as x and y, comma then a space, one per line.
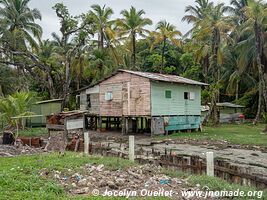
143, 102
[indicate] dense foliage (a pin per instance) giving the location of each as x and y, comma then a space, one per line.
226, 48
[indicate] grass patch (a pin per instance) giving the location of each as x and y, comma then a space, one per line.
245, 134
213, 183
34, 132
19, 176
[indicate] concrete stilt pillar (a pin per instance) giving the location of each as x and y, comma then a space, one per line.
131, 148
210, 163
86, 142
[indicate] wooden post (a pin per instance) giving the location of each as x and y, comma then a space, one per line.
86, 142
123, 125
127, 125
100, 123
210, 163
142, 124
131, 148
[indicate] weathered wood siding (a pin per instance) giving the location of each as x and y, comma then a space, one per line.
83, 101
176, 105
131, 96
94, 99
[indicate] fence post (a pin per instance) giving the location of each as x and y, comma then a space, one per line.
131, 148
210, 163
86, 142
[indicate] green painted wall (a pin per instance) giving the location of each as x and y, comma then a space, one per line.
176, 105
43, 109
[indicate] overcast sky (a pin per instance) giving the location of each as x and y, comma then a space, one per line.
170, 10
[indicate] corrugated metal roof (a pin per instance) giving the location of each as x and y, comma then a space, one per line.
165, 77
229, 105
49, 101
152, 76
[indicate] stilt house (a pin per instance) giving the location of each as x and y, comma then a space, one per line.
138, 101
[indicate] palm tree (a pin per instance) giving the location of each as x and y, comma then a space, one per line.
20, 20
132, 24
101, 16
166, 32
199, 44
214, 29
256, 14
197, 13
238, 9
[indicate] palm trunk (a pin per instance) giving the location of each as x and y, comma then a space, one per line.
236, 90
102, 39
134, 50
66, 85
215, 74
162, 55
262, 84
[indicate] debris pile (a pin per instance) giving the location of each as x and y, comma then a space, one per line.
10, 151
135, 178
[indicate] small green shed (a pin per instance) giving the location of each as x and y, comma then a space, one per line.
44, 108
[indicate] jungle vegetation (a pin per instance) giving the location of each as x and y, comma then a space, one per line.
225, 48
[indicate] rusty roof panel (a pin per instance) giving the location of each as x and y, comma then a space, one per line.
165, 77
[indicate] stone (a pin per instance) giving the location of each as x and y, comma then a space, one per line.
112, 185
102, 183
82, 182
74, 185
84, 190
120, 181
100, 168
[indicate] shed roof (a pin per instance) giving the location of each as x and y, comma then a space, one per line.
164, 77
49, 101
229, 105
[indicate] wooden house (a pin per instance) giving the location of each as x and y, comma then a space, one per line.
138, 101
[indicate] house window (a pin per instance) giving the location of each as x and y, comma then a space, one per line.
168, 94
189, 95
88, 100
108, 96
192, 96
186, 95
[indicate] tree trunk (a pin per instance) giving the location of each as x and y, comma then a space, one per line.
134, 50
262, 84
236, 91
215, 74
66, 84
102, 39
162, 55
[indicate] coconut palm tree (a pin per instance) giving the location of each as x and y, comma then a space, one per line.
197, 13
131, 25
165, 32
101, 17
256, 25
214, 29
238, 9
20, 21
